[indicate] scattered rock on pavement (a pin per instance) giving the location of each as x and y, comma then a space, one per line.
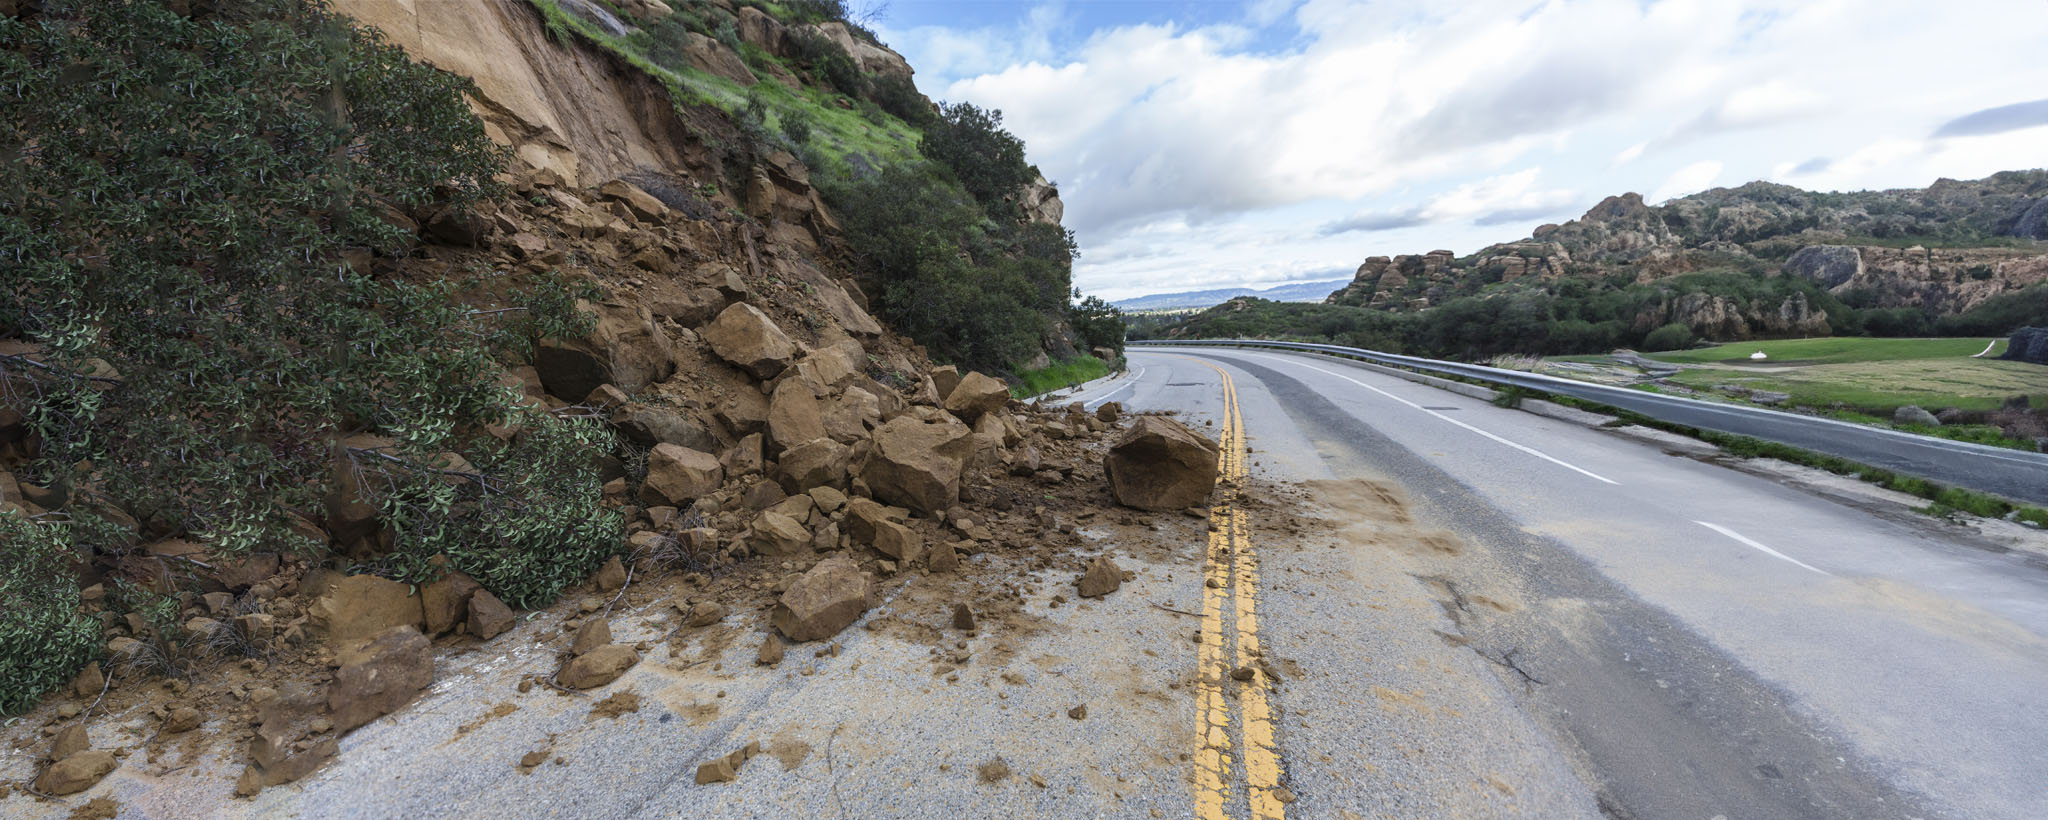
1101, 578
823, 601
76, 773
771, 651
706, 613
379, 677
182, 719
725, 769
446, 602
598, 667
1159, 464
1079, 712
488, 616
963, 618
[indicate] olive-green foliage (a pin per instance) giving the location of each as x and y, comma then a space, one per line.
987, 160
44, 638
824, 58
1046, 379
1674, 336
796, 125
899, 96
177, 238
973, 289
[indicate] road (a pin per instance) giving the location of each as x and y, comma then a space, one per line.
1403, 603
1708, 643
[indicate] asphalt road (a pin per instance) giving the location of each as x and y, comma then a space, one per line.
2014, 474
1701, 641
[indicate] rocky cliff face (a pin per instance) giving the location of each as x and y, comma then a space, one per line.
1980, 240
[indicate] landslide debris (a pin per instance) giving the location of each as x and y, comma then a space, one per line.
1159, 464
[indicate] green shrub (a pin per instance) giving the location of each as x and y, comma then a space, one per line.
796, 125
1057, 375
1098, 323
899, 96
44, 638
1674, 336
987, 160
205, 355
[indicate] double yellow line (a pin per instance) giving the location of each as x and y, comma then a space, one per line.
1231, 581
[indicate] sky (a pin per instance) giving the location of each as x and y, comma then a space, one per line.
1260, 142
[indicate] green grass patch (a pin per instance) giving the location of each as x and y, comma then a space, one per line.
1061, 374
1832, 350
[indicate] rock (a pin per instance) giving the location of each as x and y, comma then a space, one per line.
771, 651
70, 740
459, 226
897, 541
763, 494
594, 633
1910, 415
822, 602
678, 475
745, 457
445, 602
864, 514
1109, 412
488, 616
250, 783
918, 463
943, 558
751, 341
648, 426
89, 682
779, 535
597, 668
706, 613
828, 499
627, 348
945, 379
820, 462
976, 394
1101, 578
381, 676
689, 308
963, 618
611, 576
1079, 712
2028, 344
1159, 465
356, 607
795, 415
76, 773
641, 203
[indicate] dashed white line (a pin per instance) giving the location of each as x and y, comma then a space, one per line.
1530, 450
1766, 550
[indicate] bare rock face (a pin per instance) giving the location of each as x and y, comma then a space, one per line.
823, 601
446, 601
944, 379
488, 616
751, 341
380, 677
356, 607
917, 462
598, 667
1160, 464
678, 475
976, 394
76, 773
1101, 578
820, 462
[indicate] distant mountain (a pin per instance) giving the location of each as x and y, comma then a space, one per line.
1299, 292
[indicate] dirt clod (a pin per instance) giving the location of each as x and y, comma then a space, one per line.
1079, 712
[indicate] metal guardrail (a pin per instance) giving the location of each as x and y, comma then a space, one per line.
2014, 474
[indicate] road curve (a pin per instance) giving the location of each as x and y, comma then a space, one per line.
1701, 641
2014, 474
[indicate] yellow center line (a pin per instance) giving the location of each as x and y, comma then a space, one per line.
1231, 575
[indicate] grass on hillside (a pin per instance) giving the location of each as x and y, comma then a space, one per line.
842, 135
1061, 374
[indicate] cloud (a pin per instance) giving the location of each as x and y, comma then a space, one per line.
1500, 200
1688, 180
1996, 120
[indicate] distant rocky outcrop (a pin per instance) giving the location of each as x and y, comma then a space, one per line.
1977, 245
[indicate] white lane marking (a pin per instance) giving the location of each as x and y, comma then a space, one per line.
1530, 450
1766, 550
1133, 382
1987, 349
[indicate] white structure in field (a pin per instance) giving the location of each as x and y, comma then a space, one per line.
1758, 355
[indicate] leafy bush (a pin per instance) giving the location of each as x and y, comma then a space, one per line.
1098, 323
191, 241
987, 160
899, 96
796, 125
44, 639
826, 59
1674, 336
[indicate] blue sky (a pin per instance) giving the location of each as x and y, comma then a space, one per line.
1212, 144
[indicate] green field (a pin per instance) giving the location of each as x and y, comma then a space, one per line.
1834, 350
1867, 376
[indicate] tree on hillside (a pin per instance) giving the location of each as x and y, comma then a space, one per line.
987, 160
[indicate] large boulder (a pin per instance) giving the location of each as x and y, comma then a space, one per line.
711, 56
822, 601
647, 426
379, 677
446, 601
917, 461
76, 773
627, 349
820, 462
1160, 464
678, 475
849, 417
944, 379
751, 341
794, 414
283, 748
776, 534
976, 394
357, 607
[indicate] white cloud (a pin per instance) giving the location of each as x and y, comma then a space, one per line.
1186, 158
